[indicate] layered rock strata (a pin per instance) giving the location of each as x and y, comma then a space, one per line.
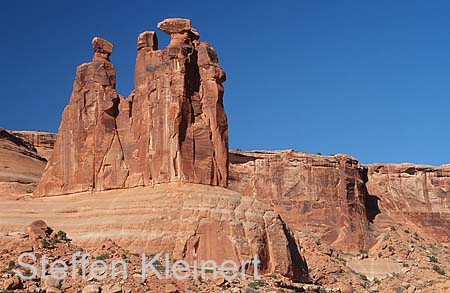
411, 194
43, 141
318, 192
189, 221
20, 166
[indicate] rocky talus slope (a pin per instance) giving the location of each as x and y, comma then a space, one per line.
190, 221
40, 239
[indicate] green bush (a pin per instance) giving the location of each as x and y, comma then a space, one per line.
102, 256
256, 283
11, 265
62, 235
438, 270
45, 243
433, 258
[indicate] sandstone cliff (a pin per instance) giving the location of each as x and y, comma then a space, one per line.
309, 191
173, 126
20, 166
42, 141
412, 195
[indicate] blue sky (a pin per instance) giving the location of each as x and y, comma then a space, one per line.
365, 78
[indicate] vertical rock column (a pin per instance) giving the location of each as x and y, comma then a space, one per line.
178, 122
172, 128
87, 154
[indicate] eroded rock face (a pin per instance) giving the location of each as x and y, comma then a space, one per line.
87, 147
412, 194
309, 191
20, 166
42, 141
172, 127
189, 221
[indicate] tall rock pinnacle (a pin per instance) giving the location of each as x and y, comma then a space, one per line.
172, 128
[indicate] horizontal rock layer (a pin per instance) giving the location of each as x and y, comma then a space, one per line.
181, 219
20, 166
326, 193
43, 141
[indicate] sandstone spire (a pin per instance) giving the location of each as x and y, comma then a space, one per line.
172, 128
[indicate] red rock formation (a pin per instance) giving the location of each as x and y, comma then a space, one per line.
173, 126
309, 191
412, 195
177, 128
189, 221
36, 138
87, 141
20, 166
42, 141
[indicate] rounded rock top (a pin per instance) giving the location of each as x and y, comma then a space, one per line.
147, 39
102, 46
175, 25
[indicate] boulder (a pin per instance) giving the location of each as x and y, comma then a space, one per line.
38, 230
12, 283
91, 289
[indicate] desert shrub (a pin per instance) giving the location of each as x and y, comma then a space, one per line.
102, 256
256, 283
433, 258
11, 265
438, 270
62, 235
53, 242
45, 243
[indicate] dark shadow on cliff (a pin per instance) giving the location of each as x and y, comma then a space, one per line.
372, 208
370, 201
299, 264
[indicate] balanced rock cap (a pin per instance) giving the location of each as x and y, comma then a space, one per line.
102, 46
147, 40
175, 25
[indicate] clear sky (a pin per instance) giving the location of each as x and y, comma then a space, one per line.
366, 78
